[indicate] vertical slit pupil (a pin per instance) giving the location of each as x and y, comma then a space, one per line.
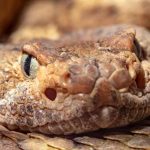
27, 65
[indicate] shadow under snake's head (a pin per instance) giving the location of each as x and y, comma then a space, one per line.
77, 88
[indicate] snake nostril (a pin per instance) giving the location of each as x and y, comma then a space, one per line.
50, 93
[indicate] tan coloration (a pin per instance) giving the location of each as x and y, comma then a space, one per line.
127, 138
79, 86
126, 41
33, 50
73, 15
7, 74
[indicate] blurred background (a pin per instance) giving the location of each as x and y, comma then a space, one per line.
28, 19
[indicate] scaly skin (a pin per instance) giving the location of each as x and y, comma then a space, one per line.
99, 81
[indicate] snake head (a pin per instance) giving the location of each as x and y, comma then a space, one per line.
75, 69
76, 88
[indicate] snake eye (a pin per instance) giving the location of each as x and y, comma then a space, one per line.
29, 66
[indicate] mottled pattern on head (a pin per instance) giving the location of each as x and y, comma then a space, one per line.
70, 86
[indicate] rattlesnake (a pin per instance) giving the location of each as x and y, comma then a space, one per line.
83, 82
